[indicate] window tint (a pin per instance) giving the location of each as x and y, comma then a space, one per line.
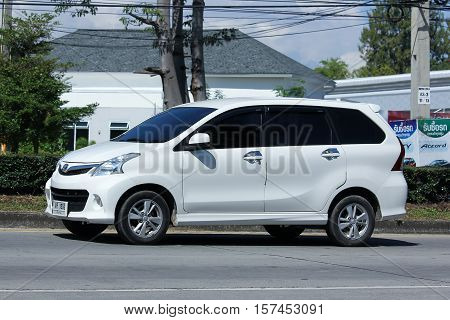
235, 129
290, 127
77, 136
165, 125
353, 127
117, 128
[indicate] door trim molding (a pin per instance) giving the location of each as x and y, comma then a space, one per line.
236, 218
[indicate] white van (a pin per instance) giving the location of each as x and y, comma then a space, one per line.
286, 164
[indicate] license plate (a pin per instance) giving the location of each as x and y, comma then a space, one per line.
59, 208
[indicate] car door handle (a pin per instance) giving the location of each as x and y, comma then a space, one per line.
331, 154
253, 157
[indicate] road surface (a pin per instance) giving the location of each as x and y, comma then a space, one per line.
56, 265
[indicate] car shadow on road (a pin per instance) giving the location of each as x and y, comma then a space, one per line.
233, 239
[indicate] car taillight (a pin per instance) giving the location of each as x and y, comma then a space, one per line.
398, 166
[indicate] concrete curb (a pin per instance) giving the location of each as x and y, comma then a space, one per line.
40, 221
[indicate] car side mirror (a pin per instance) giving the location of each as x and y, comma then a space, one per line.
199, 139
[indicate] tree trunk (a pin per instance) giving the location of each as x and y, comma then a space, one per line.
178, 48
14, 146
35, 145
172, 93
198, 82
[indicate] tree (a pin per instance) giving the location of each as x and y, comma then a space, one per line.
31, 85
385, 45
333, 68
297, 91
170, 39
198, 83
169, 33
216, 94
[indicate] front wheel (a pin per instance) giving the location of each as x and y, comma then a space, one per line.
351, 222
143, 218
284, 232
84, 230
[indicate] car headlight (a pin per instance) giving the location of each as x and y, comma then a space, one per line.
114, 165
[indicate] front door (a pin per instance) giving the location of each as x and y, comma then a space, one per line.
229, 175
305, 164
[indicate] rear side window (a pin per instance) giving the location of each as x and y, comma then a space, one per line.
235, 129
288, 126
353, 127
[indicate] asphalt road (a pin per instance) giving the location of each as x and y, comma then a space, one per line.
55, 265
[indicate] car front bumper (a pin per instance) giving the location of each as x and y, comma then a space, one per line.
104, 194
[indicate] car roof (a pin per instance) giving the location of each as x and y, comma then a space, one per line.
233, 103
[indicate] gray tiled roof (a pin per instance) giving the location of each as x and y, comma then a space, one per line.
131, 50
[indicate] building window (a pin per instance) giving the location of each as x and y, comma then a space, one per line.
77, 135
117, 128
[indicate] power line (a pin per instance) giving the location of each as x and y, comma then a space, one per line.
317, 4
300, 17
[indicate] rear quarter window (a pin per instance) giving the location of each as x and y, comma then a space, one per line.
354, 127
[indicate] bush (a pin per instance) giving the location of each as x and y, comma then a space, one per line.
427, 184
25, 174
47, 148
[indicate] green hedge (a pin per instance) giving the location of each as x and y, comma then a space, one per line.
28, 174
25, 174
427, 184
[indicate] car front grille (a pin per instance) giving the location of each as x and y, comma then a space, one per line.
75, 170
76, 198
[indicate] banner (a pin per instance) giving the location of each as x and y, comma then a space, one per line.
406, 131
434, 139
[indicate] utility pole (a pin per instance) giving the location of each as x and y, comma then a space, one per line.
4, 15
420, 60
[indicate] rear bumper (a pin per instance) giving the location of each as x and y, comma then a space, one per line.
392, 196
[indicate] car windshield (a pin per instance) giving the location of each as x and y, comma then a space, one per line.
165, 125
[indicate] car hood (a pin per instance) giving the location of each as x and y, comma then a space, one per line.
101, 152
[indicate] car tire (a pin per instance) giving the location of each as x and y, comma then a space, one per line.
84, 230
284, 232
351, 222
143, 218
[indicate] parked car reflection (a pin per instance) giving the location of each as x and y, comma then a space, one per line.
409, 162
439, 163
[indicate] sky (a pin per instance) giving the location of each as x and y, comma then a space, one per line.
271, 28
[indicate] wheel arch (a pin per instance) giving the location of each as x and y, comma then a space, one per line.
357, 191
162, 191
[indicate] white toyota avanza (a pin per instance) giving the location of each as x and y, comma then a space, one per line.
286, 164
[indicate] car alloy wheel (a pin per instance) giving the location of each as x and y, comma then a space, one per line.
353, 221
145, 218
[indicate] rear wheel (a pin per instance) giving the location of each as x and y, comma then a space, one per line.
351, 222
84, 230
144, 218
284, 232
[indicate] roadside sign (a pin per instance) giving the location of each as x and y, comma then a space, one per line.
434, 138
406, 131
424, 95
426, 141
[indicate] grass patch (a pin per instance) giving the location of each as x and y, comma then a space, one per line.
22, 203
432, 211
